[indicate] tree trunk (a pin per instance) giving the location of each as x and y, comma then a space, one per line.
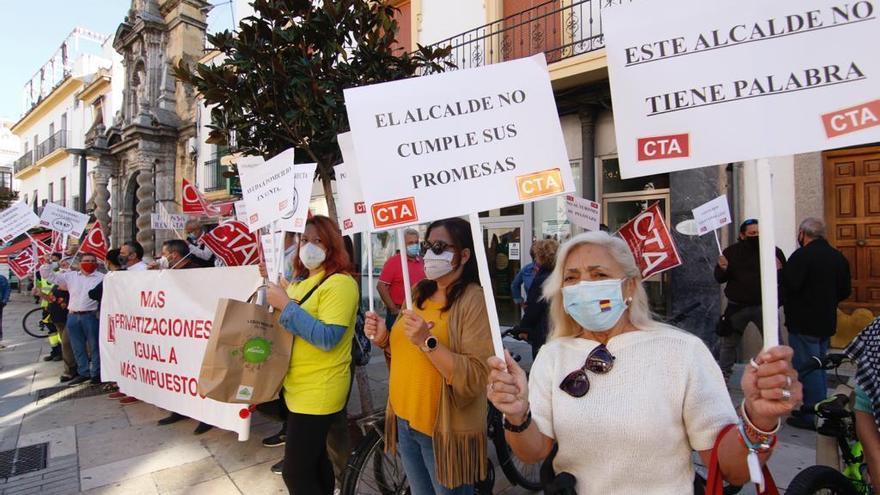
365, 393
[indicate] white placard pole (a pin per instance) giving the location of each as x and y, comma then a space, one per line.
368, 238
486, 282
404, 264
767, 251
718, 243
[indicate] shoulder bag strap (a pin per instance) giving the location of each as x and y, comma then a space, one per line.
312, 290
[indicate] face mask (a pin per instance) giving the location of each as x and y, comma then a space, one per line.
312, 256
163, 263
596, 306
289, 254
753, 241
54, 266
412, 250
123, 261
437, 265
88, 267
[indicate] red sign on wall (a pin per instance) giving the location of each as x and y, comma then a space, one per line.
650, 242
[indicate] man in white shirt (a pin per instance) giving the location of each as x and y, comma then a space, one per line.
198, 250
82, 318
131, 257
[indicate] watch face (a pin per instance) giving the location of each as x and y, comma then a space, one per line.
431, 342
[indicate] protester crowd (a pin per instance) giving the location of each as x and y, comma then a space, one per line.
620, 399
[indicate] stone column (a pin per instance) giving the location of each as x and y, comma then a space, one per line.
102, 196
588, 114
145, 200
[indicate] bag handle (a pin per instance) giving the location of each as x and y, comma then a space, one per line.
715, 481
252, 299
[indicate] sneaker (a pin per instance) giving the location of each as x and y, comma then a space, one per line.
116, 395
171, 419
78, 380
127, 400
50, 357
801, 422
67, 378
57, 357
202, 428
278, 467
276, 440
96, 380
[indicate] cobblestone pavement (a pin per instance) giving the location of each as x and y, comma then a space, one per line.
98, 446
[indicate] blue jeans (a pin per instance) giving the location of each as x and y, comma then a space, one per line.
83, 329
815, 383
417, 454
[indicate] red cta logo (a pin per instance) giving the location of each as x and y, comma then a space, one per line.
663, 147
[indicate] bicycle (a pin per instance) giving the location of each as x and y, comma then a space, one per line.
35, 324
372, 470
838, 431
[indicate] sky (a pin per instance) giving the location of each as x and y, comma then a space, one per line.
32, 30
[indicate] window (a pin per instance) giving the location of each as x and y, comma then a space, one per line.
51, 129
36, 141
51, 192
62, 191
64, 121
5, 180
25, 199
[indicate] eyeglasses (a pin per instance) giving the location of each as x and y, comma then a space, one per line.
577, 384
436, 247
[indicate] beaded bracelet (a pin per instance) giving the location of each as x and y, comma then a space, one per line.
765, 439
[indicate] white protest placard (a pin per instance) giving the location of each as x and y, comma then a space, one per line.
268, 189
154, 331
172, 221
16, 220
697, 83
464, 141
273, 252
350, 208
712, 215
63, 220
582, 212
303, 180
240, 211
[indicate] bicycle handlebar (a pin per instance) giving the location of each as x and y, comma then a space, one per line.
830, 362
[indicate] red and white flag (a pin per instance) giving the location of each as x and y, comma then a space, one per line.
57, 243
23, 263
650, 242
95, 243
196, 204
233, 243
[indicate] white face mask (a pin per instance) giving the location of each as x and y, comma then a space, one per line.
312, 256
437, 265
163, 263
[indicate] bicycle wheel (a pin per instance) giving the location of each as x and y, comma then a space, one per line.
517, 472
816, 480
31, 324
372, 471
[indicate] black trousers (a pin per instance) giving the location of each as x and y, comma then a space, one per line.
307, 468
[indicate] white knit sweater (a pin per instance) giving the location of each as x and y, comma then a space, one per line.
634, 431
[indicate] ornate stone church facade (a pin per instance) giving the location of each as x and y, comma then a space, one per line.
150, 145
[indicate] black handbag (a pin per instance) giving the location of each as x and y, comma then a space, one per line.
556, 484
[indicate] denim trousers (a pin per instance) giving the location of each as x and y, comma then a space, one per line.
417, 454
815, 383
83, 329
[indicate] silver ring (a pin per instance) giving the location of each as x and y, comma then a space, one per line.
753, 364
786, 395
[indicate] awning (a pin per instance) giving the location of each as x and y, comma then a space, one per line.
18, 246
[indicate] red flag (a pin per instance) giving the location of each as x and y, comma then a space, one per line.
23, 263
195, 203
650, 242
234, 244
56, 245
95, 243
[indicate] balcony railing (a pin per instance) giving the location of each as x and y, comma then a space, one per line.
52, 143
559, 31
23, 162
214, 180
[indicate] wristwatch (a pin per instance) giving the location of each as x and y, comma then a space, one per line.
430, 344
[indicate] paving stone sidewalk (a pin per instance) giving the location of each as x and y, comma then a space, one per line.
97, 446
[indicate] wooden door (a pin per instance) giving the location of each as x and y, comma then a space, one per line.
531, 27
852, 212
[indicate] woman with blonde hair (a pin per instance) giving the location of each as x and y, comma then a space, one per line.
626, 398
535, 320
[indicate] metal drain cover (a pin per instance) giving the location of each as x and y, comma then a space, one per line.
63, 392
24, 460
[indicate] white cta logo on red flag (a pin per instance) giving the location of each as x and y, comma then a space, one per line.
95, 243
23, 264
195, 203
233, 243
650, 242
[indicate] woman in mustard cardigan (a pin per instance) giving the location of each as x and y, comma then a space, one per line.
436, 415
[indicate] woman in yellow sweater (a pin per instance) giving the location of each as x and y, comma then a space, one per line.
436, 415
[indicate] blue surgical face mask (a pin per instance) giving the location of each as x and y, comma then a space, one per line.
596, 306
412, 250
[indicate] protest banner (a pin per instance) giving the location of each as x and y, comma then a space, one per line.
459, 142
711, 216
352, 205
273, 248
95, 243
16, 220
154, 331
171, 222
63, 220
194, 203
233, 243
696, 83
268, 190
303, 179
23, 264
582, 212
650, 242
241, 211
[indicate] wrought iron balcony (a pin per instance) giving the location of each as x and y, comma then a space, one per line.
214, 180
559, 31
55, 141
23, 162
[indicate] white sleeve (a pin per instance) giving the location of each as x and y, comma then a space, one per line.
541, 388
707, 407
202, 253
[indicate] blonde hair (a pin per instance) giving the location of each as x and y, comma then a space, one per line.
639, 311
545, 252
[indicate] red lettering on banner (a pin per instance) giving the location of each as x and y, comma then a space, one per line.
662, 147
395, 212
650, 242
360, 207
166, 327
128, 370
852, 119
172, 382
151, 300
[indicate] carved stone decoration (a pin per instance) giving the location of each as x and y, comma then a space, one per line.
144, 208
101, 180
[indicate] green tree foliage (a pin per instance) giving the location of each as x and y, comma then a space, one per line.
282, 74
